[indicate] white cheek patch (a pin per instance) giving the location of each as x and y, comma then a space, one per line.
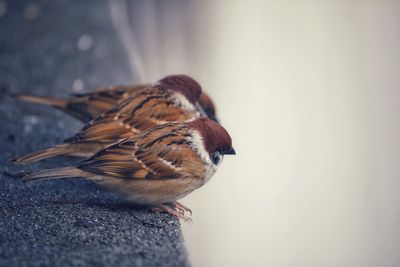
198, 145
197, 140
182, 101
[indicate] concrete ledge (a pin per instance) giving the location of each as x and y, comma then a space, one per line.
66, 222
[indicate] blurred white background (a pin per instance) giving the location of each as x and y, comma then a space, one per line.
310, 92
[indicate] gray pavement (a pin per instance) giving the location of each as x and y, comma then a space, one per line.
57, 48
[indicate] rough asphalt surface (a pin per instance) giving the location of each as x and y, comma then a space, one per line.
53, 48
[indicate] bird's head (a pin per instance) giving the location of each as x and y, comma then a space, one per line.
216, 140
182, 84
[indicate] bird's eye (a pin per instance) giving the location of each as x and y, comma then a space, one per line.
216, 157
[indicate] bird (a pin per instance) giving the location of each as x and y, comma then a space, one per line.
173, 98
157, 167
87, 106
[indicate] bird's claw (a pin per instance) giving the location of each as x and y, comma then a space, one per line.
175, 209
181, 207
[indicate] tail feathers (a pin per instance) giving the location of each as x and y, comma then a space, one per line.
57, 173
63, 149
43, 100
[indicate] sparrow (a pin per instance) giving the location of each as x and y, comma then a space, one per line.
87, 106
173, 98
158, 166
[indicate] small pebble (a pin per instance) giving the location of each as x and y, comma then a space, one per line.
29, 121
85, 42
78, 85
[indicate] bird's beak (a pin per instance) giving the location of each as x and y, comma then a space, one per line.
228, 151
213, 117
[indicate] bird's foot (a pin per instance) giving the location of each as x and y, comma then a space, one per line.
182, 208
175, 209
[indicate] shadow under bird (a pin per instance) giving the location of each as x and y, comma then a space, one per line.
158, 166
172, 99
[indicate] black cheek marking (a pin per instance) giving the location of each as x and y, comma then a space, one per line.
215, 157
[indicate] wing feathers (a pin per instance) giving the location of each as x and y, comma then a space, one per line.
144, 110
157, 154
